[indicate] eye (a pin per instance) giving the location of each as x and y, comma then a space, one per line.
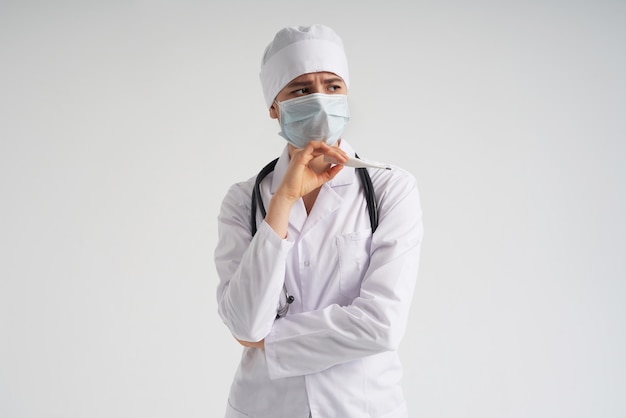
298, 92
334, 88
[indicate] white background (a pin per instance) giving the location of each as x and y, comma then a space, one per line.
122, 123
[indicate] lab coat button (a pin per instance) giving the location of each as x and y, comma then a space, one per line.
306, 264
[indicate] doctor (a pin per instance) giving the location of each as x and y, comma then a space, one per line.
317, 288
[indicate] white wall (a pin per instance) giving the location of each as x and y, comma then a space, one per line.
123, 123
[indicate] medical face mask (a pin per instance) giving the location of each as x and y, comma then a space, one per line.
316, 116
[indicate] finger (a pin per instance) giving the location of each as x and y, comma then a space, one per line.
311, 150
317, 148
317, 144
338, 154
331, 172
303, 156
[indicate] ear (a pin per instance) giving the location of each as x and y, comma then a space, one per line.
273, 111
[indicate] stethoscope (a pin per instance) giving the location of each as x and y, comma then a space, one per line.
257, 200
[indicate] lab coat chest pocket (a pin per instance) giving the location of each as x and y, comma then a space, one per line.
353, 251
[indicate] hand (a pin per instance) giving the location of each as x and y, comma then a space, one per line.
305, 175
258, 344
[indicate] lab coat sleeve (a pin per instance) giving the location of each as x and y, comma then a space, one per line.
376, 320
251, 269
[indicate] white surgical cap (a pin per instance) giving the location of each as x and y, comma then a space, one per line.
298, 50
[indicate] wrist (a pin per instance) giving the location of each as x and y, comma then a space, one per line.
283, 199
278, 214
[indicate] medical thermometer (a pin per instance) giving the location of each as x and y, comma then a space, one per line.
358, 163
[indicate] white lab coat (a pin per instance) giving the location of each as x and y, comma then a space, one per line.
334, 353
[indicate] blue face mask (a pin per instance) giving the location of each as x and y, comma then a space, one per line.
316, 116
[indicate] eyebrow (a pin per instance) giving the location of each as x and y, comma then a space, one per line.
333, 80
308, 83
